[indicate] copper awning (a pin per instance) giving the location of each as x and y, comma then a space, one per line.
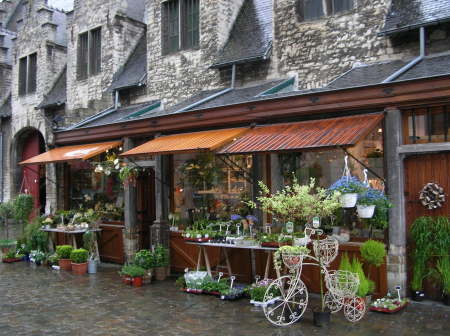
187, 142
71, 153
342, 131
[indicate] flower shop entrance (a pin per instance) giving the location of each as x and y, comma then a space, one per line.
420, 170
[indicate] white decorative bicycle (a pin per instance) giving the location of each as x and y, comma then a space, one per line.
286, 298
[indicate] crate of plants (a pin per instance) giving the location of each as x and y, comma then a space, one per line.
215, 286
194, 281
12, 256
259, 296
197, 236
388, 305
274, 240
232, 293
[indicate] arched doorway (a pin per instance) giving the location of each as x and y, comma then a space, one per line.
30, 179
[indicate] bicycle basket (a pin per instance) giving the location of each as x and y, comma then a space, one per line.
342, 283
326, 249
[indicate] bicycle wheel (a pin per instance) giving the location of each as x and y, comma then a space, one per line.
333, 303
354, 309
285, 300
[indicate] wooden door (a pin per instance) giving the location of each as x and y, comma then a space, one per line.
31, 174
420, 170
145, 206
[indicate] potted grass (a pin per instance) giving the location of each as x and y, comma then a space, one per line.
349, 187
132, 275
79, 258
373, 253
442, 243
63, 252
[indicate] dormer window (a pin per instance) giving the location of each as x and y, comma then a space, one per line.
27, 74
309, 10
180, 25
89, 53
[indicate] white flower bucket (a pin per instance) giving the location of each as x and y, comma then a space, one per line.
365, 211
348, 200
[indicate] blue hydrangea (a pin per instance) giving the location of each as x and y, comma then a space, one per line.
348, 185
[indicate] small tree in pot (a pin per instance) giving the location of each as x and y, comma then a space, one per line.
79, 258
63, 252
161, 261
89, 242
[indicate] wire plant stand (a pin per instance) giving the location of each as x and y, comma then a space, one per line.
286, 298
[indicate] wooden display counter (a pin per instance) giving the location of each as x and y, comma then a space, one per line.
184, 255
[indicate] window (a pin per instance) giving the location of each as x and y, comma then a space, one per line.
424, 125
180, 25
315, 9
89, 53
27, 74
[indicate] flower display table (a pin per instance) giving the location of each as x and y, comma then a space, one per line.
72, 233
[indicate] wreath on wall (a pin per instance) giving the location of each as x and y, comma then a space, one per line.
432, 196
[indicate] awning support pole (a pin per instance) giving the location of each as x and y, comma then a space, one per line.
370, 170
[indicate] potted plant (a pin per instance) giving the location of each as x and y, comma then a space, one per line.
7, 215
442, 243
132, 274
146, 260
23, 207
79, 258
373, 253
128, 175
349, 188
63, 252
52, 260
365, 285
89, 242
38, 257
7, 244
161, 261
11, 257
421, 233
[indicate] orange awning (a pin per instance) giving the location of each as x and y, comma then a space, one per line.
342, 131
187, 142
71, 153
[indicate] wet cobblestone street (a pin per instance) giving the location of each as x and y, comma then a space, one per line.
40, 301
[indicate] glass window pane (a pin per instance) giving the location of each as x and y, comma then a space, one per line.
312, 9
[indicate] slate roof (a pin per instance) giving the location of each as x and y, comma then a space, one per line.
135, 69
5, 107
431, 66
250, 38
57, 94
409, 14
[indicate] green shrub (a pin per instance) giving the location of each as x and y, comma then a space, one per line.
23, 206
144, 259
364, 284
161, 256
181, 282
132, 271
79, 256
443, 267
6, 210
7, 243
64, 251
373, 252
345, 264
422, 234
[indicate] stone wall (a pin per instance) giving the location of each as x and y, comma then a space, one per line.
119, 36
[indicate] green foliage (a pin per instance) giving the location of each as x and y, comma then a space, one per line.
64, 251
79, 256
443, 267
373, 252
422, 234
34, 238
10, 255
144, 259
7, 210
161, 256
202, 172
89, 240
299, 250
211, 285
132, 271
345, 264
23, 206
380, 219
53, 259
364, 283
181, 282
7, 243
298, 202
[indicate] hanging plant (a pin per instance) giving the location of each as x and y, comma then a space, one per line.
128, 175
202, 172
110, 165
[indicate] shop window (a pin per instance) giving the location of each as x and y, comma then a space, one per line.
426, 125
180, 25
338, 6
27, 74
89, 53
214, 186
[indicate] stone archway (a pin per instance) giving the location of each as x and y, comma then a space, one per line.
27, 143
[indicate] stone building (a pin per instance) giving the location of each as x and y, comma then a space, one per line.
123, 70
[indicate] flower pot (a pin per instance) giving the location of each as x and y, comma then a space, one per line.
137, 281
321, 319
127, 280
160, 273
417, 295
446, 299
365, 211
92, 266
348, 200
65, 264
79, 269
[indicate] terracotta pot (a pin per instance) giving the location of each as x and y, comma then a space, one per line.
160, 273
65, 264
79, 269
137, 281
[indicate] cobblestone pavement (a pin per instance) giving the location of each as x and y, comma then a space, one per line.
40, 301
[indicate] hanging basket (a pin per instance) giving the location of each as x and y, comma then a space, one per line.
348, 200
365, 211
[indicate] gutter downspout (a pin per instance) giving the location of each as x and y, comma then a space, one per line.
116, 100
411, 64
